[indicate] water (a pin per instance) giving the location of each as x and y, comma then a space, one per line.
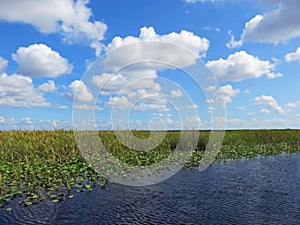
256, 191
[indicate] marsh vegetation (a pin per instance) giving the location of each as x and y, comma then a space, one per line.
47, 165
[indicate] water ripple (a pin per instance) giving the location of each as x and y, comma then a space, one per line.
256, 191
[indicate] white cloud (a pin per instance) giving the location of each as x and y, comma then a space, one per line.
270, 102
7, 121
226, 93
27, 120
3, 64
126, 82
39, 60
265, 111
211, 88
149, 53
192, 122
119, 102
210, 101
247, 91
87, 107
193, 106
223, 94
278, 25
240, 66
158, 114
255, 123
217, 29
60, 106
18, 91
29, 123
132, 88
293, 56
143, 94
176, 93
109, 83
273, 75
293, 104
170, 49
169, 121
233, 43
80, 92
151, 106
47, 87
69, 18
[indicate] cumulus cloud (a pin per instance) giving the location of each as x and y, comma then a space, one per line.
247, 91
171, 49
226, 93
293, 56
39, 60
233, 43
29, 123
47, 87
211, 88
222, 94
216, 29
240, 66
119, 102
168, 120
18, 91
144, 95
145, 106
269, 101
80, 92
123, 102
293, 104
3, 64
71, 19
279, 24
273, 75
255, 123
176, 93
193, 106
87, 107
146, 55
6, 121
109, 83
265, 111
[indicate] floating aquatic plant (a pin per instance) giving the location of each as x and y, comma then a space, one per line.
40, 165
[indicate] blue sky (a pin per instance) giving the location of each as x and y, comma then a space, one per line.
65, 58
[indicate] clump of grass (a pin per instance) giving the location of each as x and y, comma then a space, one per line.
252, 143
39, 165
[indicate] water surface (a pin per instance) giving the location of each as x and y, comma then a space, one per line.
256, 191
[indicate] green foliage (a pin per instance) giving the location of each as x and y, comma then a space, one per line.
39, 165
251, 143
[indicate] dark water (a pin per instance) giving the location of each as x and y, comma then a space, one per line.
257, 191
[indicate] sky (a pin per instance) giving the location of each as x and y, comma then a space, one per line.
141, 64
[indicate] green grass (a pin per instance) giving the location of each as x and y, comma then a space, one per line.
39, 165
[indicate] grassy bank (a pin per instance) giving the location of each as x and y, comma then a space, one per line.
38, 165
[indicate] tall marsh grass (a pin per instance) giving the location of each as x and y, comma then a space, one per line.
38, 165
